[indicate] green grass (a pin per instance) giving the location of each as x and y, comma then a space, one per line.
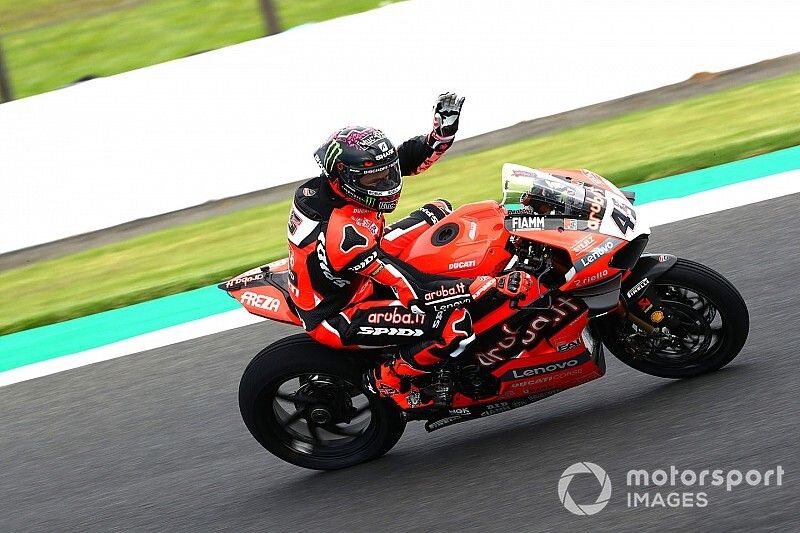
19, 15
697, 133
57, 42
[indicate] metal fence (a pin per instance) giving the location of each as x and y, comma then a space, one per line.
268, 11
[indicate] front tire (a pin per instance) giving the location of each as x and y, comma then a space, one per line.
714, 313
306, 404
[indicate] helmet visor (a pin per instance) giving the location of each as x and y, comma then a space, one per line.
377, 181
374, 187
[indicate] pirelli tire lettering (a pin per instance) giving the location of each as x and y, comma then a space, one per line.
638, 287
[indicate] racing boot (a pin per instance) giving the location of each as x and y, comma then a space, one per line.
394, 379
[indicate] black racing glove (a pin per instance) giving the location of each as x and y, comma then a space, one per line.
446, 113
514, 283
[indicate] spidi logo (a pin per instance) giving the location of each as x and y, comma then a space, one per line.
586, 509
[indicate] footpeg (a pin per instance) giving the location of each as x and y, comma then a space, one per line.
441, 389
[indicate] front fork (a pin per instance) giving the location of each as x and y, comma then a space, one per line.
642, 304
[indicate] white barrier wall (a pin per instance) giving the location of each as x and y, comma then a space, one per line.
249, 116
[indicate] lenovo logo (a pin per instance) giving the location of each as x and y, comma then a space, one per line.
556, 366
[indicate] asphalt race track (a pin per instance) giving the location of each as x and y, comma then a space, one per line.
154, 441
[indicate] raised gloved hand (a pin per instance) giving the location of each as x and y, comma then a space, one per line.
446, 113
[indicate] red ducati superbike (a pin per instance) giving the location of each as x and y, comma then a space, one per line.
580, 237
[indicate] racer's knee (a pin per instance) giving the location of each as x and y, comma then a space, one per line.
454, 333
328, 334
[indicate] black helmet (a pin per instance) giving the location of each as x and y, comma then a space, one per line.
362, 166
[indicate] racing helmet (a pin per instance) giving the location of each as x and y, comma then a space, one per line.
363, 167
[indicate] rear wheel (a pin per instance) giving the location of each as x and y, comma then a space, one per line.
306, 404
711, 326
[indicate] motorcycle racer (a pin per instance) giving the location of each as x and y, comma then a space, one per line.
348, 286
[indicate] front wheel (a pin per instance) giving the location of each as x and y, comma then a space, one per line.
712, 318
306, 404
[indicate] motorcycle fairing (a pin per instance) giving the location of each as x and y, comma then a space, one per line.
456, 415
264, 292
516, 393
576, 195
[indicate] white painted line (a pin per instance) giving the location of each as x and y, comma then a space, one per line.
497, 52
148, 341
655, 213
714, 200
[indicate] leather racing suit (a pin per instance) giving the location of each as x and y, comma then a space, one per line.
351, 290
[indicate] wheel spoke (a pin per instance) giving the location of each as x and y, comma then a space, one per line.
294, 417
314, 430
336, 430
361, 410
289, 397
329, 397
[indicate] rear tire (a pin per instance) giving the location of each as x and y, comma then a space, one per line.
331, 421
718, 308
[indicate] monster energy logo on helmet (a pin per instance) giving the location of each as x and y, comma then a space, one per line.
334, 151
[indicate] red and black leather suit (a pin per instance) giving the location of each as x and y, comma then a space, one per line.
351, 290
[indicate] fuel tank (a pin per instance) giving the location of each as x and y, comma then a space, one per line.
468, 242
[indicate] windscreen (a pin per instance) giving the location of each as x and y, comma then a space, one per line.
544, 193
